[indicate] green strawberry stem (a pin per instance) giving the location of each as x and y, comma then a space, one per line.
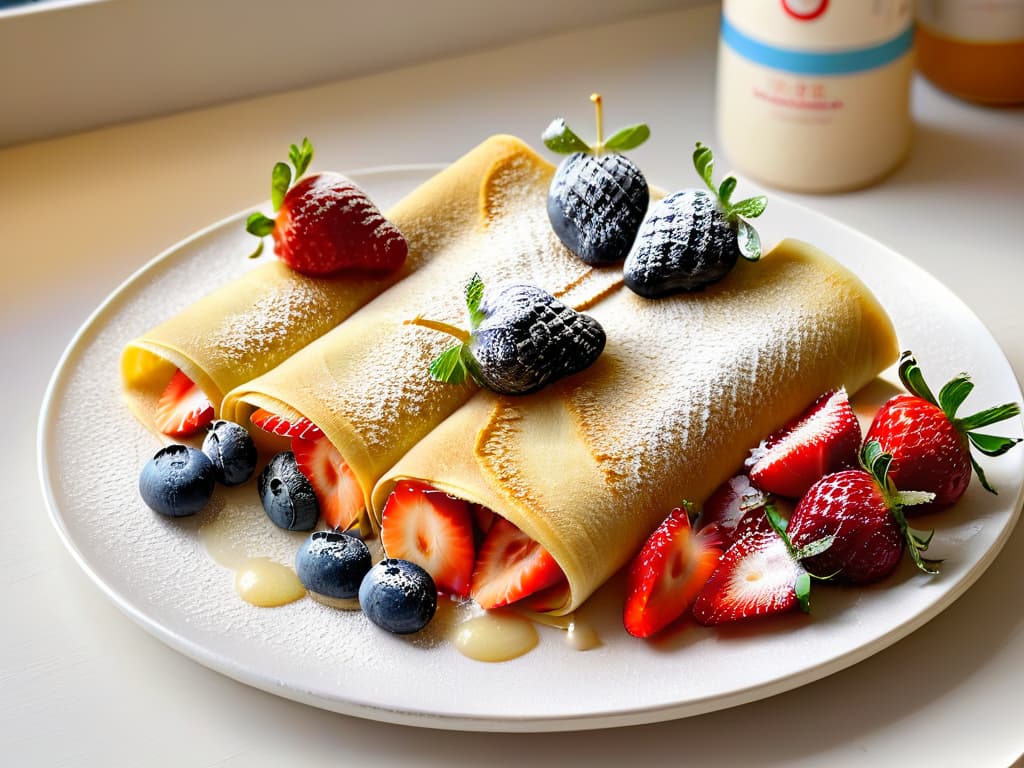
802, 587
950, 398
560, 138
876, 462
750, 208
281, 180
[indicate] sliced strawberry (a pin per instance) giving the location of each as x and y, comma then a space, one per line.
337, 490
278, 425
183, 408
670, 570
825, 438
511, 566
735, 509
757, 576
432, 529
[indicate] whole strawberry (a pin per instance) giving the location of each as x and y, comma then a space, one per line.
325, 223
930, 445
861, 510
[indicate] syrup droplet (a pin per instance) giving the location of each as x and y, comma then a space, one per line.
495, 636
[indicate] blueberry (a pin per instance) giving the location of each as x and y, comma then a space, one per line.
332, 564
287, 496
398, 596
178, 481
232, 451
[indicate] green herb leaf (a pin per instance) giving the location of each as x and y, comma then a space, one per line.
748, 240
992, 445
259, 225
630, 137
559, 137
704, 162
725, 190
751, 208
988, 416
953, 394
448, 366
280, 180
913, 378
474, 295
802, 587
301, 156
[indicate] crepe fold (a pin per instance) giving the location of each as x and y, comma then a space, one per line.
250, 325
685, 387
366, 384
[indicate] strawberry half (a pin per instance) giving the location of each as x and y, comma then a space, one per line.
334, 483
278, 425
432, 529
930, 445
182, 409
862, 512
511, 566
735, 509
667, 574
825, 438
325, 223
757, 576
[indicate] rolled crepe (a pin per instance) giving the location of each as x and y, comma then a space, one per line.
256, 322
685, 387
366, 383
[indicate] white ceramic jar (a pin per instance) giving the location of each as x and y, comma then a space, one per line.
813, 95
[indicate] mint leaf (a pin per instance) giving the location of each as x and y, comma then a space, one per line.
748, 241
448, 366
301, 156
629, 137
751, 208
559, 137
259, 225
474, 295
992, 445
704, 162
725, 190
280, 180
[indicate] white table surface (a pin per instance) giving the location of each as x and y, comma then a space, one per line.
81, 685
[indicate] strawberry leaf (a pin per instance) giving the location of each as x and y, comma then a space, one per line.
448, 366
802, 587
752, 207
725, 190
992, 445
630, 137
259, 225
912, 498
913, 379
953, 394
917, 541
748, 240
301, 156
280, 180
560, 138
988, 416
815, 547
474, 295
981, 476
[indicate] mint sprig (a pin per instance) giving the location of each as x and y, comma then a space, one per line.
748, 240
281, 180
560, 138
456, 363
950, 398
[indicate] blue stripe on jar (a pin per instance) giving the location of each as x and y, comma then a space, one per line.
817, 63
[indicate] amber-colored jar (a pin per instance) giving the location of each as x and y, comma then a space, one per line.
974, 49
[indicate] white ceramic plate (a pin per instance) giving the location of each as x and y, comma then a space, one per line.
156, 570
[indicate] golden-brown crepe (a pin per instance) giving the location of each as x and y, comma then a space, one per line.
685, 387
251, 325
366, 382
